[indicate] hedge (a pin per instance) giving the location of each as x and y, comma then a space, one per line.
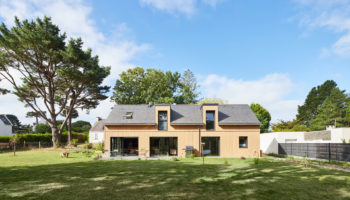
47, 137
5, 138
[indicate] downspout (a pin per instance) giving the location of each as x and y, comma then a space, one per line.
199, 141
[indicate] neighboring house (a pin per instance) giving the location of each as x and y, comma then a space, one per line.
269, 141
5, 126
178, 130
96, 133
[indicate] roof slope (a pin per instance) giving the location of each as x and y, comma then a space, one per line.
186, 115
98, 126
141, 115
237, 114
4, 119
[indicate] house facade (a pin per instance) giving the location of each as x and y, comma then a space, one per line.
5, 126
179, 130
96, 133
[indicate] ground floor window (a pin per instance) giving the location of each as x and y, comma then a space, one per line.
162, 146
243, 142
124, 146
211, 146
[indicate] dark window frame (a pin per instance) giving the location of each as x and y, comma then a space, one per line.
239, 142
206, 120
162, 121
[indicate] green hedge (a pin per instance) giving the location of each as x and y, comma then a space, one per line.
47, 137
5, 138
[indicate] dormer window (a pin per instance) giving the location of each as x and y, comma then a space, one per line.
210, 120
162, 120
128, 115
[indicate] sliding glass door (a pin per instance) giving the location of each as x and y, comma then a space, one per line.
211, 146
123, 146
163, 146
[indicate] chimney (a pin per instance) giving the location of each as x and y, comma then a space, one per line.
98, 118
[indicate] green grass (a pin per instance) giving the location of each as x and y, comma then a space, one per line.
44, 175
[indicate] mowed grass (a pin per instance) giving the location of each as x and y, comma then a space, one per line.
44, 175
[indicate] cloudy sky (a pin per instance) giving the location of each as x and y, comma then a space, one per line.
268, 52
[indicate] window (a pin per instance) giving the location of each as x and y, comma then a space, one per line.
162, 120
128, 115
210, 120
211, 146
96, 136
243, 142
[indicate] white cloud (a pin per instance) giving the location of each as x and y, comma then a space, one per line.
270, 91
331, 14
73, 17
187, 7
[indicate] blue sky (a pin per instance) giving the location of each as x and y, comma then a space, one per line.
269, 52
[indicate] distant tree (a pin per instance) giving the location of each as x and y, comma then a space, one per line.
263, 115
188, 93
36, 115
81, 126
332, 111
74, 114
42, 128
213, 100
288, 126
139, 86
309, 110
14, 120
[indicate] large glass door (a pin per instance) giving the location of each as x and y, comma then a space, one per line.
123, 146
211, 146
163, 146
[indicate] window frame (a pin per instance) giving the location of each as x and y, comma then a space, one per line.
206, 124
166, 121
239, 142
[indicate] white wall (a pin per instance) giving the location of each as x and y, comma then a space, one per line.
269, 141
96, 136
5, 130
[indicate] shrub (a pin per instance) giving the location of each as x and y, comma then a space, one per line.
42, 128
74, 142
276, 155
343, 141
256, 161
100, 147
225, 162
174, 159
291, 157
193, 155
5, 138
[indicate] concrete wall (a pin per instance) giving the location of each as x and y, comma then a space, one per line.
190, 136
269, 141
96, 137
5, 130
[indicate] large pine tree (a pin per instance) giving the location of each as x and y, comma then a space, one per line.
309, 110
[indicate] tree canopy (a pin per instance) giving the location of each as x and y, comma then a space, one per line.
212, 100
309, 110
140, 86
263, 115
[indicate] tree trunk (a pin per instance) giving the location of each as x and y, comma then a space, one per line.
69, 130
55, 134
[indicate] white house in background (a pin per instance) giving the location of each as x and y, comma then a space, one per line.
269, 141
5, 126
96, 133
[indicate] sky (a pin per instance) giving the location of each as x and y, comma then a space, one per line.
268, 52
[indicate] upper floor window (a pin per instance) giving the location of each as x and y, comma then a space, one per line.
162, 120
210, 120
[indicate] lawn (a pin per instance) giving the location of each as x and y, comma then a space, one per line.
44, 175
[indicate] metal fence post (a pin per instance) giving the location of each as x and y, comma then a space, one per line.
329, 152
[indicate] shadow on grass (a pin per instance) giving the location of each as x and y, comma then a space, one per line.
172, 180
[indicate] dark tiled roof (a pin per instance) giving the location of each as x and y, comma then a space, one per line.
237, 114
98, 126
230, 114
186, 115
141, 115
4, 119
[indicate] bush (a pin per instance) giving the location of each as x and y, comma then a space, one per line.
100, 147
256, 161
193, 155
42, 128
276, 155
175, 159
225, 162
74, 142
5, 138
